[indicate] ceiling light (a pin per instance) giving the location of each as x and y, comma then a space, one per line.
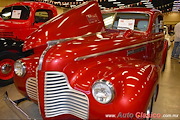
147, 3
116, 2
144, 0
120, 4
111, 0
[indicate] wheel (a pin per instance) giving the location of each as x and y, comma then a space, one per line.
150, 107
151, 102
7, 60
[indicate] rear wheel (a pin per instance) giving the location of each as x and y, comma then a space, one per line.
7, 60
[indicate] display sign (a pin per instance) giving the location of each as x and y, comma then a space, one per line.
16, 14
126, 23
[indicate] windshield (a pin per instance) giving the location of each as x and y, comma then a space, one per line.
134, 21
16, 12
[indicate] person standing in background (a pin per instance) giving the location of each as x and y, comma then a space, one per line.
176, 48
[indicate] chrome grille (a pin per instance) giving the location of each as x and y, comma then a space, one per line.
31, 88
60, 98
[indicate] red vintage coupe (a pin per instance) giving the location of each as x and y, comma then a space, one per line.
87, 68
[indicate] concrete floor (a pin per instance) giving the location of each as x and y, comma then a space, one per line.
168, 102
28, 106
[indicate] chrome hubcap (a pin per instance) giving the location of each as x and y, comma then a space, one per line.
149, 107
6, 68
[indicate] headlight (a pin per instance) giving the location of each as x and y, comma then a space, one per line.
103, 91
19, 68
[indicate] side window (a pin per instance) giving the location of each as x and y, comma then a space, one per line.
42, 15
16, 13
6, 13
134, 21
158, 24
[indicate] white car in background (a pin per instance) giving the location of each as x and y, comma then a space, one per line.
169, 36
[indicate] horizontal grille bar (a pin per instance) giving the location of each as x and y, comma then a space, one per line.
60, 98
31, 88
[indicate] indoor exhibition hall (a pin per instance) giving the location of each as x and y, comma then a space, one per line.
90, 59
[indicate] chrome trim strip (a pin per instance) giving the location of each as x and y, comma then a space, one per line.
13, 106
114, 50
50, 44
54, 42
136, 50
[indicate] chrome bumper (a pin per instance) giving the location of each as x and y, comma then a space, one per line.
13, 106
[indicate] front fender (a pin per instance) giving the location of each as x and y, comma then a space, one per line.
134, 82
164, 54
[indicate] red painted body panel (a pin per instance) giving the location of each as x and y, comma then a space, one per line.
86, 52
20, 29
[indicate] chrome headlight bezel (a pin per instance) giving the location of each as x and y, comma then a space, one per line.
19, 68
103, 86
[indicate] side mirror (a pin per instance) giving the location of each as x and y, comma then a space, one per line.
128, 33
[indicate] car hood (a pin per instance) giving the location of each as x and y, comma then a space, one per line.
82, 20
96, 51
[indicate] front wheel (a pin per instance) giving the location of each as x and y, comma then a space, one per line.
7, 60
151, 102
150, 107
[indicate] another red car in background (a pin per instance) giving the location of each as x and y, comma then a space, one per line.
89, 71
18, 21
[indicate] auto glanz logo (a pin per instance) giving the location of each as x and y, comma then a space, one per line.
92, 18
